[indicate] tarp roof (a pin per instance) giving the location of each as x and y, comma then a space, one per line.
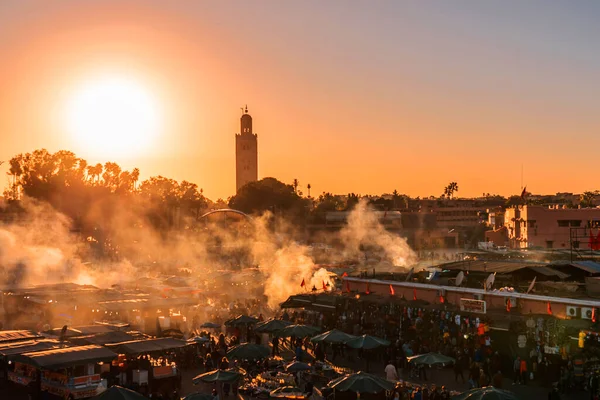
147, 345
94, 329
66, 357
9, 349
503, 267
15, 336
588, 266
105, 338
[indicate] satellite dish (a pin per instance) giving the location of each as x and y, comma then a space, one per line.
410, 274
459, 278
530, 288
489, 282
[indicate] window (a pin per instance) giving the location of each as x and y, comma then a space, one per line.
563, 223
549, 244
576, 222
531, 223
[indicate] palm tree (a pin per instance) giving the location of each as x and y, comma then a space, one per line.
450, 189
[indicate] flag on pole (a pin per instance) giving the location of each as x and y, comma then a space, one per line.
347, 286
593, 241
368, 291
392, 291
345, 274
594, 314
442, 298
303, 283
524, 193
414, 293
508, 305
549, 308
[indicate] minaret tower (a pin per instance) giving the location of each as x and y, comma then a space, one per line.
246, 152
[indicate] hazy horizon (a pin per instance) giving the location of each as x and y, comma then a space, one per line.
348, 96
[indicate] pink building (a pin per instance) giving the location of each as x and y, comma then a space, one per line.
554, 227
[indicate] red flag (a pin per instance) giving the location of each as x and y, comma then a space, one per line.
593, 241
303, 283
508, 305
549, 308
441, 299
414, 293
347, 286
392, 291
368, 291
594, 314
345, 274
324, 286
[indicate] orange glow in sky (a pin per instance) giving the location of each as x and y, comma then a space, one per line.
347, 96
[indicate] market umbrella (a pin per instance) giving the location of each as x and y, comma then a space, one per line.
211, 325
199, 396
219, 375
361, 382
241, 320
119, 393
298, 331
272, 325
431, 359
248, 351
367, 342
333, 336
297, 366
486, 393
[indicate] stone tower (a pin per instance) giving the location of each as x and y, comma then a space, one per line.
246, 152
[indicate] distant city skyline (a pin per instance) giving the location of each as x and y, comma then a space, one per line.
349, 96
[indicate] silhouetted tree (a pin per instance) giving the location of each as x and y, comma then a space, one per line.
268, 194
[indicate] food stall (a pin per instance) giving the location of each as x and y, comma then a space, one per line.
145, 363
71, 372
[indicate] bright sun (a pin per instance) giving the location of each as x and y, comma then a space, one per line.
113, 116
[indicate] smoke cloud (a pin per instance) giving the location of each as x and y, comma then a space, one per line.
41, 249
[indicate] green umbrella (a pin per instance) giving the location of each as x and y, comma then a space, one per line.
431, 359
119, 393
241, 320
333, 336
199, 396
272, 325
367, 342
219, 375
361, 382
248, 351
486, 393
297, 366
298, 331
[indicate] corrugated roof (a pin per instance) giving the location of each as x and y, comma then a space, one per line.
60, 358
588, 266
14, 348
15, 336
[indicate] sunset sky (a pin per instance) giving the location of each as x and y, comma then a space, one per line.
349, 96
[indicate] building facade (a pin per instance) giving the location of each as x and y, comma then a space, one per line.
551, 227
246, 153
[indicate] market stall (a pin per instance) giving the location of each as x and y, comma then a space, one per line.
66, 372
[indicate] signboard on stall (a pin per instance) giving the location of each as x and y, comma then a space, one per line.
84, 394
163, 372
20, 379
474, 306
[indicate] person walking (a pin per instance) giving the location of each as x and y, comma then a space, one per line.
391, 373
517, 371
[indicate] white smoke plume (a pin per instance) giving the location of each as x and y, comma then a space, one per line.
41, 249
